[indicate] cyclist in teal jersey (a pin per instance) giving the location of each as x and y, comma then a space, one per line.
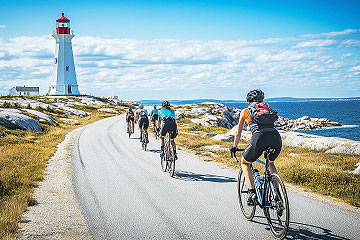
168, 124
154, 114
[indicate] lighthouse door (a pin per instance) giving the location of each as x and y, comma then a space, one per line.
69, 89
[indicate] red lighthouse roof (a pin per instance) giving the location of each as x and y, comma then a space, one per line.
62, 18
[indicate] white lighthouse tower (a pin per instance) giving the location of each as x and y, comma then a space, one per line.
64, 68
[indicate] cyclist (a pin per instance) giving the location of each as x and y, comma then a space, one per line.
263, 136
130, 117
168, 123
142, 119
154, 114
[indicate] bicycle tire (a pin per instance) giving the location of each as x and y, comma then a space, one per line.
248, 211
278, 212
171, 162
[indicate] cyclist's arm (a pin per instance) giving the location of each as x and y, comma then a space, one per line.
240, 128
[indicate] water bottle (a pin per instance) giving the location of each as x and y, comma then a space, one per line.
257, 178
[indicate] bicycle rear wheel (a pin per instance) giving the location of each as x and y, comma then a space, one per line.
171, 161
248, 211
277, 212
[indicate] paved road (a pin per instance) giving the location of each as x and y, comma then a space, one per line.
124, 195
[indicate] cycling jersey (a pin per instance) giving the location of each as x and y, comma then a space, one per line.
154, 111
142, 113
166, 113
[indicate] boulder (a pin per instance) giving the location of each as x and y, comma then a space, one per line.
200, 122
214, 148
108, 110
346, 148
15, 119
357, 170
69, 120
41, 115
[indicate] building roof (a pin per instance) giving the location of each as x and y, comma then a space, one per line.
62, 18
26, 89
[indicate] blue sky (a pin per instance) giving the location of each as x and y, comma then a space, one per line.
188, 49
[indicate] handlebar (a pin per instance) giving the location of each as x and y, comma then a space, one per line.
233, 154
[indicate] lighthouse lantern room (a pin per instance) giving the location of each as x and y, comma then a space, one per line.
64, 67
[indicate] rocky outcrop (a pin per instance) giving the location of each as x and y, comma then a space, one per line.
41, 115
219, 115
15, 119
69, 120
108, 110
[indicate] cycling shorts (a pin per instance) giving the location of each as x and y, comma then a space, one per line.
167, 126
144, 123
130, 118
260, 141
154, 117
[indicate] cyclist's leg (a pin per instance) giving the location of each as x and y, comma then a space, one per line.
249, 175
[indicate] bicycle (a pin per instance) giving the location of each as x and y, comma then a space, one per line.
271, 196
130, 129
144, 139
156, 131
168, 158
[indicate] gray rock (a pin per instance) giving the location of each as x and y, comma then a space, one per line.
15, 119
357, 170
214, 148
108, 110
201, 122
69, 120
2, 135
41, 115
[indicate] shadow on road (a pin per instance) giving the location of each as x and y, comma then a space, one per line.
299, 230
190, 176
154, 150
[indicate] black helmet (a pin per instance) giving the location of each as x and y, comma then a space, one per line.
165, 104
154, 106
255, 96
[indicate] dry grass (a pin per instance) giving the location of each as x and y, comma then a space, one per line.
323, 173
23, 159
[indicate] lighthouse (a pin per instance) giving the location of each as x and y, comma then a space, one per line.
64, 67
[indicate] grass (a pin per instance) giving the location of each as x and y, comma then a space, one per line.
23, 159
320, 172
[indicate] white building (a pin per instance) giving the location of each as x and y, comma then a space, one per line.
64, 67
24, 91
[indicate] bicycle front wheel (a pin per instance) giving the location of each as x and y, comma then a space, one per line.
242, 189
277, 207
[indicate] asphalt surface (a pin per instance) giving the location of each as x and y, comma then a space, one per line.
124, 194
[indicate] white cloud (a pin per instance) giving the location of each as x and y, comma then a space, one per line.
356, 68
2, 26
159, 67
316, 43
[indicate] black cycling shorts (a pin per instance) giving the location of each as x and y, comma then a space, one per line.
167, 126
260, 141
144, 123
154, 117
130, 118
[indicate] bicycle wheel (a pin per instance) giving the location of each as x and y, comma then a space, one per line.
163, 162
171, 161
248, 211
277, 212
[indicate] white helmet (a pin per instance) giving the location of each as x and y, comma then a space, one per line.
141, 106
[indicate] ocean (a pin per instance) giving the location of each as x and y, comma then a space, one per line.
345, 111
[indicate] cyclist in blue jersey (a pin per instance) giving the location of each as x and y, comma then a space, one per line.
168, 124
154, 114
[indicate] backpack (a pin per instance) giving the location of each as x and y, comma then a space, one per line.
261, 113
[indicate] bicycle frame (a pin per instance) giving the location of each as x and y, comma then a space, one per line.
261, 194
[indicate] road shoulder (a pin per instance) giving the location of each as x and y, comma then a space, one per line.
56, 214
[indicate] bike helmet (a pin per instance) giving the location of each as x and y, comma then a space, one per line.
130, 108
154, 106
255, 96
141, 106
165, 104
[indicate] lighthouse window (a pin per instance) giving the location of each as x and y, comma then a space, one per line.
69, 89
67, 68
55, 60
